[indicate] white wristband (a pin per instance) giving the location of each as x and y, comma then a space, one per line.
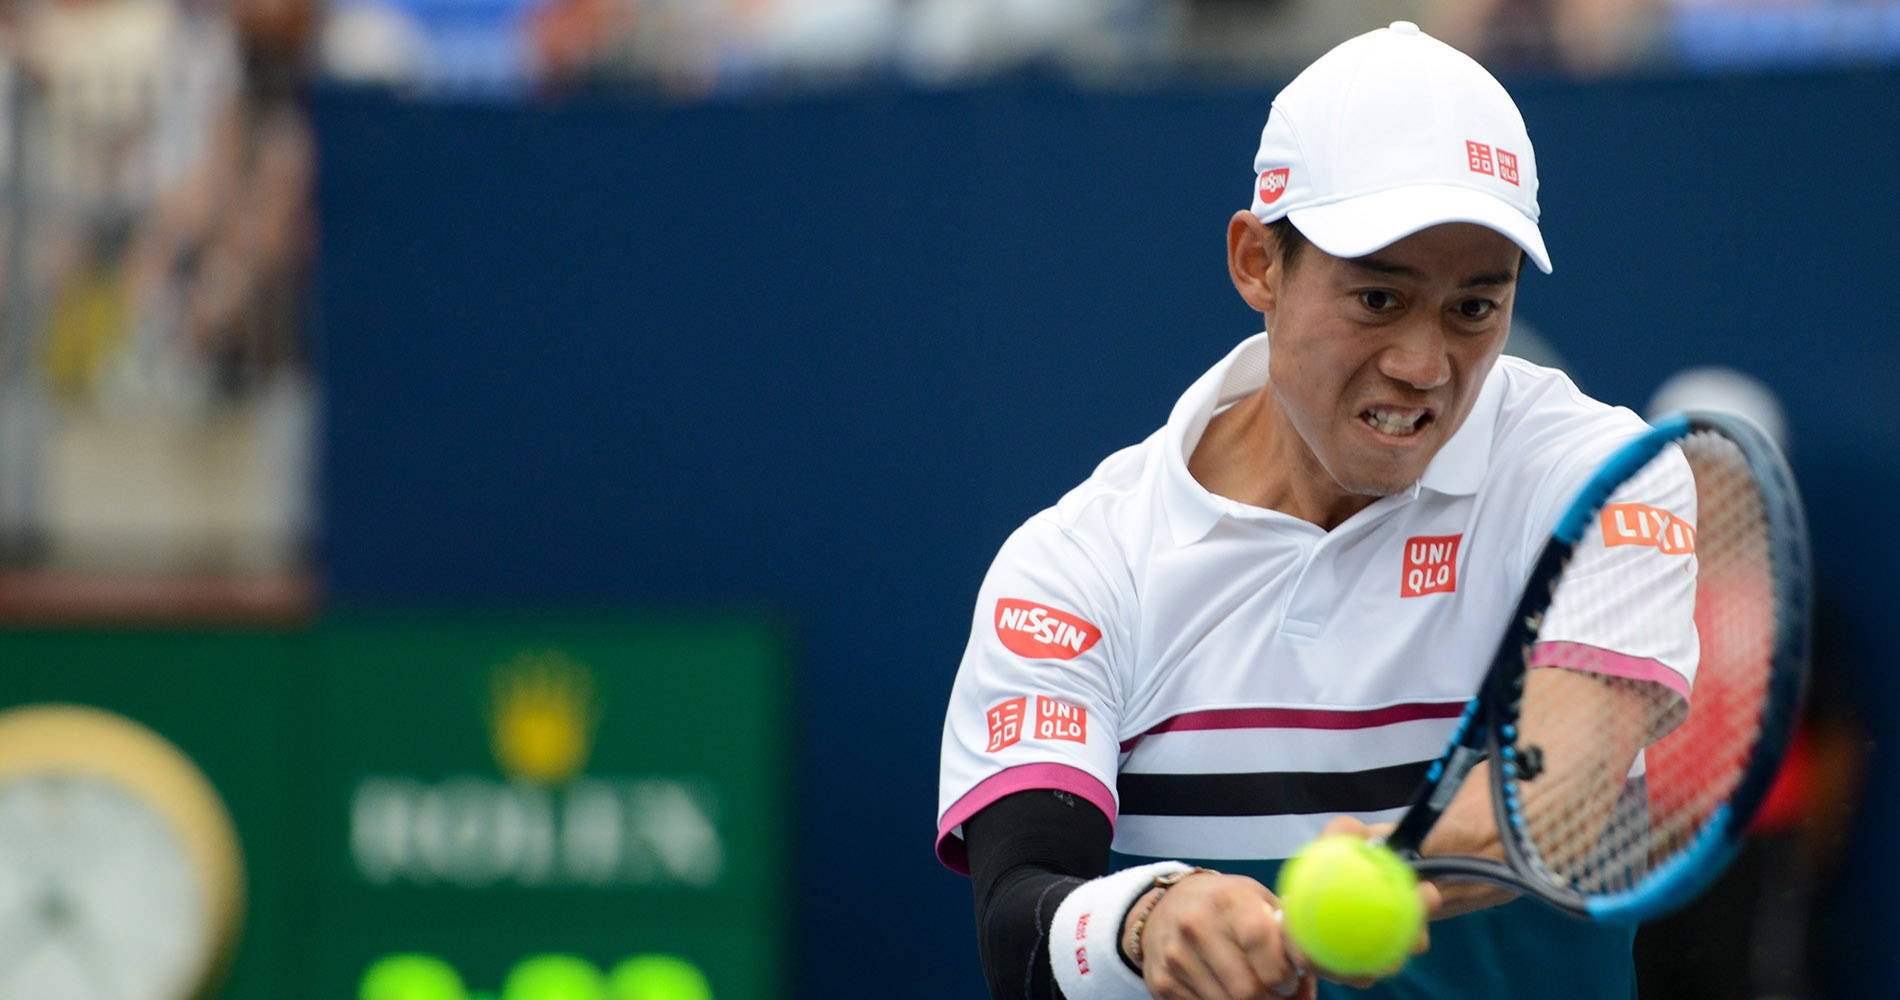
1085, 937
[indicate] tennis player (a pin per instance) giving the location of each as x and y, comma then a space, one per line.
1266, 617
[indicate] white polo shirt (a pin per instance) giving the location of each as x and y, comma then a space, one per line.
1221, 679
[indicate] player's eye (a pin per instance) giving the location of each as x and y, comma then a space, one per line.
1378, 300
1476, 308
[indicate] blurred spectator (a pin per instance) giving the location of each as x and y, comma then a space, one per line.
1250, 39
1780, 32
454, 47
1584, 36
694, 48
159, 233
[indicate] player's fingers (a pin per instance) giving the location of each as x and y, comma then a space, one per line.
1429, 895
1348, 825
1233, 974
1176, 972
1255, 925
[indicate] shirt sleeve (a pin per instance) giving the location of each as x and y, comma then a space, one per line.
1625, 606
1036, 699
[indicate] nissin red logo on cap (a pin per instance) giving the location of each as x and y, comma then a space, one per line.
1273, 184
1032, 630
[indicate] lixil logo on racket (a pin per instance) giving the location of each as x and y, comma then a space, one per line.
1036, 631
1641, 524
1272, 184
1431, 565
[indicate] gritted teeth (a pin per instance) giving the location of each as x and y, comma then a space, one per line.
1395, 421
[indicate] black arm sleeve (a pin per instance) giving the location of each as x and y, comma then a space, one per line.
1027, 852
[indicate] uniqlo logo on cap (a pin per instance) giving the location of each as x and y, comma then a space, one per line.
1641, 524
1507, 166
1480, 156
1431, 565
1059, 720
1273, 184
1006, 724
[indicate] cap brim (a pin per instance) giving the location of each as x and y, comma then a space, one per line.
1357, 226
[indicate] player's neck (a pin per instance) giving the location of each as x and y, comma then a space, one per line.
1251, 453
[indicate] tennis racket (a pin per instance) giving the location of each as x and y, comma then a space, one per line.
1621, 836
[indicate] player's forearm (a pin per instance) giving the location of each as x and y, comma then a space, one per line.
1013, 933
1583, 777
1028, 852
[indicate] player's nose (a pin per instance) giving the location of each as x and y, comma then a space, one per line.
1417, 356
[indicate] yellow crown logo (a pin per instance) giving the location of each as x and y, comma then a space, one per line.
542, 716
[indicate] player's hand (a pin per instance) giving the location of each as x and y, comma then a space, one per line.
1428, 894
1217, 937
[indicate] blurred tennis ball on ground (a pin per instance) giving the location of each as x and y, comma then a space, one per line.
658, 977
554, 977
411, 976
1351, 906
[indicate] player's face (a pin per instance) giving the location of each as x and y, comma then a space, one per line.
1376, 360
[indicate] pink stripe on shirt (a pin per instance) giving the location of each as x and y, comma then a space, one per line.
1009, 781
1577, 656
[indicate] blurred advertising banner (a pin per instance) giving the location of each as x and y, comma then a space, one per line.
480, 789
594, 787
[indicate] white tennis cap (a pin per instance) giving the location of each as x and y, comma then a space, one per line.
1392, 132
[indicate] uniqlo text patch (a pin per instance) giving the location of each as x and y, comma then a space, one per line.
1059, 720
1431, 565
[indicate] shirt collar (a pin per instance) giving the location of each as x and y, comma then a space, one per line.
1192, 511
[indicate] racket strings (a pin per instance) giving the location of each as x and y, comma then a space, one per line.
1633, 773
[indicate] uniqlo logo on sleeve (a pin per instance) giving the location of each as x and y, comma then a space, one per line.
1038, 631
1431, 565
1059, 720
1641, 524
1480, 156
1273, 184
1507, 166
1006, 724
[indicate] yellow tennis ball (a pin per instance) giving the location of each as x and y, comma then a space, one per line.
1351, 906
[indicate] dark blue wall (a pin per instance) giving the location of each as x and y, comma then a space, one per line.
821, 355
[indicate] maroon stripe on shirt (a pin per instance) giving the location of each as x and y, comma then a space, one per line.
1300, 718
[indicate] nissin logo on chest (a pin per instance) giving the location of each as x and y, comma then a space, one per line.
1033, 630
1431, 565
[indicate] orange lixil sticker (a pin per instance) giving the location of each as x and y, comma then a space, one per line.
1641, 524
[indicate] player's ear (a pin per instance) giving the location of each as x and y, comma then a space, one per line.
1253, 261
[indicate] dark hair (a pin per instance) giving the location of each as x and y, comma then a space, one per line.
1291, 241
